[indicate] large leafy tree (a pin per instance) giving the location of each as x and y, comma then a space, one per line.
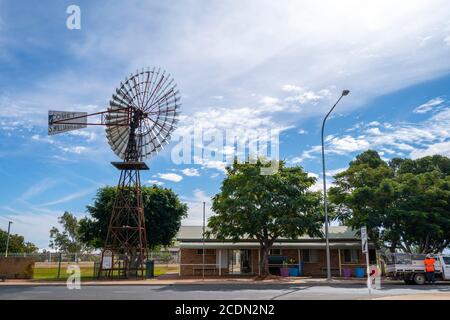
17, 243
265, 207
68, 240
405, 203
163, 213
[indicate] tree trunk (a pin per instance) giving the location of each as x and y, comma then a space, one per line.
264, 261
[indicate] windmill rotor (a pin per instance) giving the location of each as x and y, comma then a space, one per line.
148, 101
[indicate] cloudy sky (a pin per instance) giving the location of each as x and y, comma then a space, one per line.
245, 65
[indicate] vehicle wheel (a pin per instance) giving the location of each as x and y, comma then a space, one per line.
419, 278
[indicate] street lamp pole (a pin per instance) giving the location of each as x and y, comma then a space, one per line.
7, 239
327, 243
203, 246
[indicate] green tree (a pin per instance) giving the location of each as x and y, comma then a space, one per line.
163, 213
405, 203
265, 207
17, 244
68, 240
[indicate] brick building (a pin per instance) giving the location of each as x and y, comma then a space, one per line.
241, 258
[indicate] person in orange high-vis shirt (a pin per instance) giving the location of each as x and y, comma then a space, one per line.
429, 268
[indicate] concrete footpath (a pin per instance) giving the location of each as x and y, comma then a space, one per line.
189, 281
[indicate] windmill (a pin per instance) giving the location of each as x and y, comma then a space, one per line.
139, 121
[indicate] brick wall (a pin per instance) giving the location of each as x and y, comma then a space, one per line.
191, 262
17, 267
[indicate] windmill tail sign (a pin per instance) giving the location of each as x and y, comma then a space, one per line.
63, 121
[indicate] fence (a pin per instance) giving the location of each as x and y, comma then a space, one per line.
161, 257
53, 265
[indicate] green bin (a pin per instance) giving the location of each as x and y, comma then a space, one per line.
150, 269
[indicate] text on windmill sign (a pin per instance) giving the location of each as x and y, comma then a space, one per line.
63, 121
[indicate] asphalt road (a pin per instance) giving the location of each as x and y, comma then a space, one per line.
227, 292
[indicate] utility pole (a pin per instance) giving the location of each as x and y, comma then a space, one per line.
203, 251
7, 239
327, 243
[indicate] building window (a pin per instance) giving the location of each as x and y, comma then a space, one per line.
310, 255
274, 252
351, 255
207, 251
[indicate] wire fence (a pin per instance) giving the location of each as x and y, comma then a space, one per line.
55, 265
160, 257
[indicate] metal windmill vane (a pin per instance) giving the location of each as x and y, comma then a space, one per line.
140, 119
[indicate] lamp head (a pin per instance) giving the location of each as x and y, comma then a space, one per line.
345, 92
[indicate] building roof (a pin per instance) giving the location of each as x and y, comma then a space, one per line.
193, 233
284, 245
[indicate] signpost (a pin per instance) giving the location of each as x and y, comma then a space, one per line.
107, 260
63, 121
365, 249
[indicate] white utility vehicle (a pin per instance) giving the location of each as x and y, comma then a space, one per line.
411, 268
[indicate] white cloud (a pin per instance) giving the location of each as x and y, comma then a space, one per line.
170, 177
313, 175
441, 148
428, 106
423, 138
75, 149
308, 96
374, 131
157, 182
292, 88
284, 46
89, 135
45, 139
269, 101
190, 172
447, 40
302, 131
70, 197
38, 188
318, 185
346, 144
333, 172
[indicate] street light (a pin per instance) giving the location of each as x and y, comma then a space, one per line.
7, 239
327, 243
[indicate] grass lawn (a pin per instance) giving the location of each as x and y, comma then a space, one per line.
51, 273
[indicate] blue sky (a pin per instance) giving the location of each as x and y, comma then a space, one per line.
251, 65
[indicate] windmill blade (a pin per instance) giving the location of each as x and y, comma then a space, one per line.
151, 95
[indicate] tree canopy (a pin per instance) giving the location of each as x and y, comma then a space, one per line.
265, 207
163, 213
17, 243
68, 240
405, 203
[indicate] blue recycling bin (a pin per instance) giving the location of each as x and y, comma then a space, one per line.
293, 271
359, 272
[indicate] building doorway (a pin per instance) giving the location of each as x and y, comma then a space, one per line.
240, 261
